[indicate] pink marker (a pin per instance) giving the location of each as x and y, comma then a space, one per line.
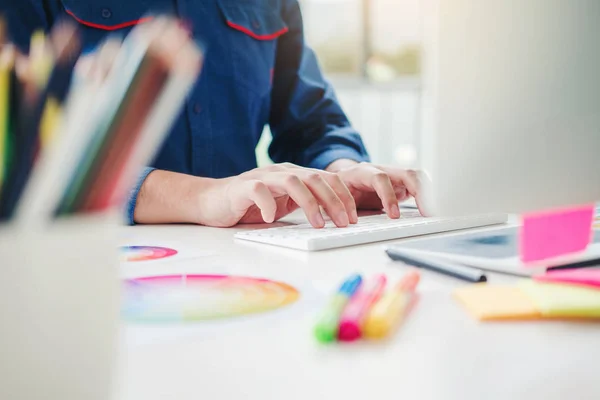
358, 308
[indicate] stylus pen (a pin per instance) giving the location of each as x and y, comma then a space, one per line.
580, 264
443, 267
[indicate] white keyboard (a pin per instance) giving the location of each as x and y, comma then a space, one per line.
369, 229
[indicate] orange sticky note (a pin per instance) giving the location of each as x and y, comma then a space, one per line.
546, 235
486, 302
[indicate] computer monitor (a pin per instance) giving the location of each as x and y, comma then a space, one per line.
514, 97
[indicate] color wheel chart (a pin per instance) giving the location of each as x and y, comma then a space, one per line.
145, 253
188, 298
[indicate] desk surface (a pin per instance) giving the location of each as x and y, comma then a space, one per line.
439, 353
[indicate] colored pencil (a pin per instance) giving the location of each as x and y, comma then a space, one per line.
154, 73
34, 109
6, 66
118, 83
67, 48
77, 140
186, 66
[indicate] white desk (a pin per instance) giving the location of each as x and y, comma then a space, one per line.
439, 353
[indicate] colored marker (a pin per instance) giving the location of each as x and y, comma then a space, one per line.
353, 317
327, 327
390, 310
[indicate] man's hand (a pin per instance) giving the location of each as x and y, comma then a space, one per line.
264, 195
377, 187
267, 194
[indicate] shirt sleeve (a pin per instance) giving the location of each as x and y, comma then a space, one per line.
308, 124
133, 195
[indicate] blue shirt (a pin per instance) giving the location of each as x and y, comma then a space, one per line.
258, 70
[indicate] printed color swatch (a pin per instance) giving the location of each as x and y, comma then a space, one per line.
184, 298
145, 253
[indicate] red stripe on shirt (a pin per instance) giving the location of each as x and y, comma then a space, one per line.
109, 27
254, 35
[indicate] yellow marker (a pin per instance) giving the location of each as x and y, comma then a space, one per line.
388, 312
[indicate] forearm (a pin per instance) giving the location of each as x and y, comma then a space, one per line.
170, 197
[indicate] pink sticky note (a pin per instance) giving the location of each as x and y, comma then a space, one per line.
545, 235
581, 276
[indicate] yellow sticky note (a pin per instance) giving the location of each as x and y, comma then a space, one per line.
488, 302
563, 301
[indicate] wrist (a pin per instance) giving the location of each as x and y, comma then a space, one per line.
340, 164
209, 199
169, 197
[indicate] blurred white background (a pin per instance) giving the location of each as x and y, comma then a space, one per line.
371, 50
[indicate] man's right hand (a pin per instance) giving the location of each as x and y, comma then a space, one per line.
264, 195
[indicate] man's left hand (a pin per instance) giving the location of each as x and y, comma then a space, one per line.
376, 187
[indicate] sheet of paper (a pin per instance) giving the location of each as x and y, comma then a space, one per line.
137, 252
558, 300
581, 276
300, 312
552, 234
487, 302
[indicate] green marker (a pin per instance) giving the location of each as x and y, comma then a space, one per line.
327, 327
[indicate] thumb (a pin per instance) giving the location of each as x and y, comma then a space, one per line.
253, 192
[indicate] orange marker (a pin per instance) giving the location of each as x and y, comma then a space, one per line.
388, 312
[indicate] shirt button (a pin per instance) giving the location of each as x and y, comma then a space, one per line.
106, 13
197, 108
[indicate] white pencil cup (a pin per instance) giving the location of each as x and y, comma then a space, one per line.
59, 311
